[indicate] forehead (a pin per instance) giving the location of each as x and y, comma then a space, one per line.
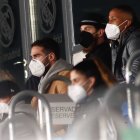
87, 26
76, 75
117, 14
37, 50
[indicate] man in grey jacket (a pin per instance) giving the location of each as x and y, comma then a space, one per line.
46, 63
124, 33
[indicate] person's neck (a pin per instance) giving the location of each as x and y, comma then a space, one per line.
47, 68
100, 41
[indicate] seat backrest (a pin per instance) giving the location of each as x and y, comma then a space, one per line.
25, 127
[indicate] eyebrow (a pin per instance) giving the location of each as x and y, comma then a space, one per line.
35, 55
112, 17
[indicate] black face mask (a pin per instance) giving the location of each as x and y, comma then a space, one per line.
86, 39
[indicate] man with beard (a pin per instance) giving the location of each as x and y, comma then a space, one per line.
93, 39
45, 63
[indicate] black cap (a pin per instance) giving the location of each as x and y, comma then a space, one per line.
8, 88
94, 19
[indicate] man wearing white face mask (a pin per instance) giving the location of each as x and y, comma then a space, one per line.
24, 127
45, 63
7, 90
124, 33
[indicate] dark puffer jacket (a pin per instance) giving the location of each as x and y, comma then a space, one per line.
122, 50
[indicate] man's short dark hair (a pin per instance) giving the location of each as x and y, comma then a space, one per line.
95, 19
129, 10
49, 45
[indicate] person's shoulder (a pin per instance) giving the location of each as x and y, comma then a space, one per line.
134, 32
63, 63
32, 78
64, 73
102, 48
131, 38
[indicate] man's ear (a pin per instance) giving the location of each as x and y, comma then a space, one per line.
129, 22
101, 32
52, 57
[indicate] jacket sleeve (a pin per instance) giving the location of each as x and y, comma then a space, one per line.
59, 87
134, 45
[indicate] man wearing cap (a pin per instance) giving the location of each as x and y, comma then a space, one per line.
25, 126
8, 89
93, 39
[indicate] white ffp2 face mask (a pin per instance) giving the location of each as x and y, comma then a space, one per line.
113, 31
36, 67
76, 92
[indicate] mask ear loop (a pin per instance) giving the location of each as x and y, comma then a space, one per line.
83, 84
44, 59
122, 24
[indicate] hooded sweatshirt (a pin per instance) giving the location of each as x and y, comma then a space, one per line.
60, 67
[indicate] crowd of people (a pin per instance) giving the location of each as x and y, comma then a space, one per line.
108, 47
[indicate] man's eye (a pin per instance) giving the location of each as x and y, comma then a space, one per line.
114, 18
88, 28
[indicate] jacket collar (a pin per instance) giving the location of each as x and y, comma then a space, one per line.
57, 67
125, 35
123, 38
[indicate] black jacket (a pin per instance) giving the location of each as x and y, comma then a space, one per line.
122, 50
32, 83
103, 52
